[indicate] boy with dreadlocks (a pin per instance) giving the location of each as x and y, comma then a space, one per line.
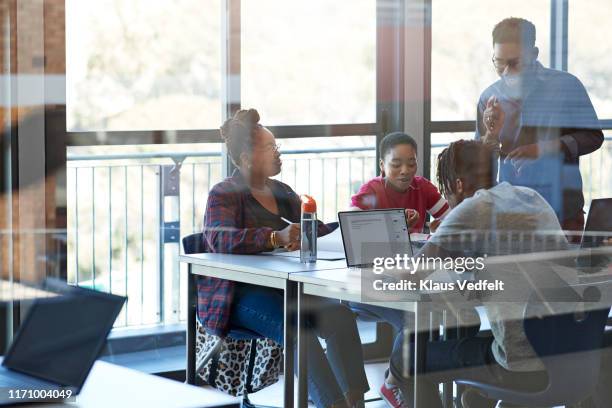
489, 214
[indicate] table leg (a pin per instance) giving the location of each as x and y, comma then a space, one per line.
289, 341
436, 319
302, 308
192, 298
421, 336
460, 334
447, 387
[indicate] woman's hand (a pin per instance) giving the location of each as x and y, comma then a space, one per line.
412, 217
289, 237
294, 246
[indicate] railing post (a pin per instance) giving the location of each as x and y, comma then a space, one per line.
169, 241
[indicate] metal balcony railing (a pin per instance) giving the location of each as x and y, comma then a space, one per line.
127, 212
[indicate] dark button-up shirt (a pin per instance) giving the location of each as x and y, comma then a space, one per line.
236, 223
554, 106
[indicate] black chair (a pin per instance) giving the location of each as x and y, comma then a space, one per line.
194, 244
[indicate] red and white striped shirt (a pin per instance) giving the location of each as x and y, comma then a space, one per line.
422, 196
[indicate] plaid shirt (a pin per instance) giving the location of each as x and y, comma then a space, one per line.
236, 223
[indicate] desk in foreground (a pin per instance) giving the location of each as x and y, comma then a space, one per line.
109, 385
15, 291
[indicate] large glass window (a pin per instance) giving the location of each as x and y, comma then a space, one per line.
157, 65
309, 62
462, 50
439, 142
590, 50
143, 65
595, 169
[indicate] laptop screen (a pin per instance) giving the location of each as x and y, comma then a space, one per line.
599, 223
374, 233
62, 336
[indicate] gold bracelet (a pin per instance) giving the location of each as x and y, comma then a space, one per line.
273, 239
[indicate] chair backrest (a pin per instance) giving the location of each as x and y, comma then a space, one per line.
194, 244
569, 345
564, 333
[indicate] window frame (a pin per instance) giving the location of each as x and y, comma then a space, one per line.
231, 97
559, 29
389, 106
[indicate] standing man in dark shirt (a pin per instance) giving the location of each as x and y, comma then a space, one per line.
539, 121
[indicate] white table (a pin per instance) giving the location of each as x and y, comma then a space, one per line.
325, 278
110, 385
264, 270
345, 284
329, 279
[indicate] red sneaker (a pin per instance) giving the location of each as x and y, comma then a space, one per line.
392, 395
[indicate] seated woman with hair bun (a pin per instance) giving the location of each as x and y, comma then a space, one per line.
244, 215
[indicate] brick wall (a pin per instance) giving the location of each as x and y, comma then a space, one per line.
55, 36
49, 57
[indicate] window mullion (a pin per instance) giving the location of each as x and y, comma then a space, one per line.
558, 34
230, 70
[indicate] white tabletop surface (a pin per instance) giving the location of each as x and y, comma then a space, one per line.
268, 265
10, 291
343, 284
110, 385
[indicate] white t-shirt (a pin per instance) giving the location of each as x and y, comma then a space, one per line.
505, 220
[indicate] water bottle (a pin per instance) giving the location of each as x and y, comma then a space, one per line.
308, 241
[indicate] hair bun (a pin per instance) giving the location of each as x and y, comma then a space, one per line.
237, 132
226, 129
246, 118
243, 120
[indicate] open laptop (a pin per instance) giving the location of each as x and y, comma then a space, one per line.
57, 344
374, 233
597, 228
599, 223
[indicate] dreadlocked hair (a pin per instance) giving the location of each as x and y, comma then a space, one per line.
468, 160
445, 174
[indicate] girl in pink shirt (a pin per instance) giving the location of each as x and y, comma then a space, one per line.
398, 186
